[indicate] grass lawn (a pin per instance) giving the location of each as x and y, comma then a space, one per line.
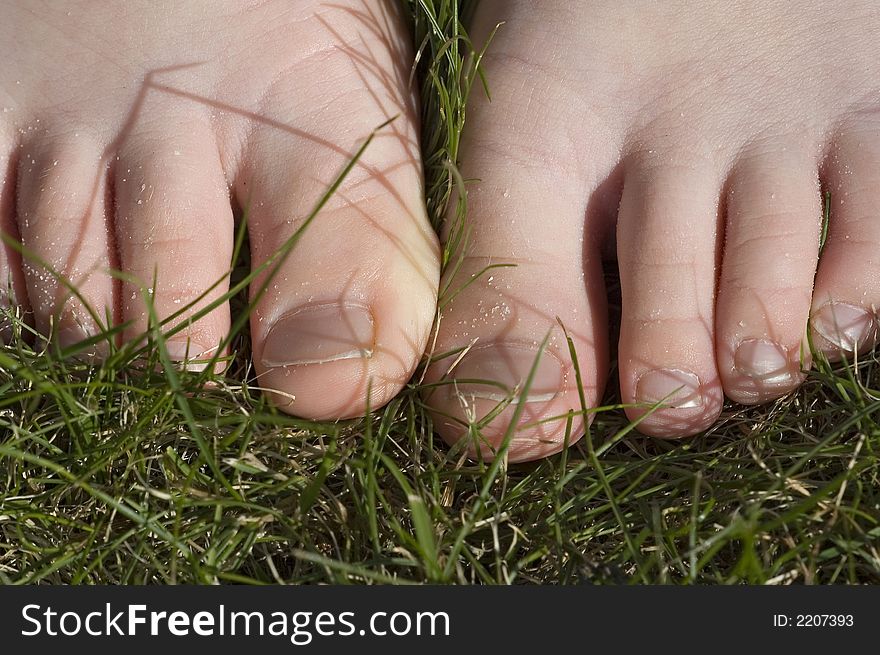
128, 473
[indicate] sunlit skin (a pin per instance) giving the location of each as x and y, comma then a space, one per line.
130, 130
691, 144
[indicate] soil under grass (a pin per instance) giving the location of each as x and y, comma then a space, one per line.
131, 473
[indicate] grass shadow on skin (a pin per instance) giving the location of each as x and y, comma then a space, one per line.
103, 478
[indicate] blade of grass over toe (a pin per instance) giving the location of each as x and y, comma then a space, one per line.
785, 493
500, 455
594, 458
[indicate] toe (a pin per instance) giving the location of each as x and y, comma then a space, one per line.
350, 309
174, 234
13, 296
491, 332
770, 256
667, 243
63, 220
847, 291
523, 263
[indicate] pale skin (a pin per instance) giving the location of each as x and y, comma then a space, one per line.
689, 142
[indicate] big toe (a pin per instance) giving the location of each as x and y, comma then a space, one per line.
502, 378
346, 297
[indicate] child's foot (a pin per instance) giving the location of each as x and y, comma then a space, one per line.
123, 127
704, 130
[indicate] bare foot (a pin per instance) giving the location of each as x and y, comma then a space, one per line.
704, 133
131, 128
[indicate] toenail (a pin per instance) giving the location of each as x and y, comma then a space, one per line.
317, 334
71, 336
846, 326
495, 371
765, 361
193, 356
675, 388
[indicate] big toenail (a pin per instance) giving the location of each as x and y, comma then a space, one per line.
193, 356
764, 361
846, 326
318, 334
673, 387
498, 371
71, 336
